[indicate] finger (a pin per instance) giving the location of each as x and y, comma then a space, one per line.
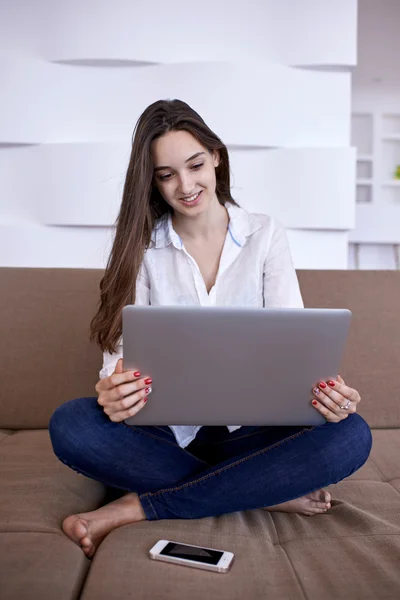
326, 413
122, 415
117, 379
119, 367
331, 393
335, 406
347, 392
128, 395
340, 379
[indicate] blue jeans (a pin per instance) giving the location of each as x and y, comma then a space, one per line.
218, 472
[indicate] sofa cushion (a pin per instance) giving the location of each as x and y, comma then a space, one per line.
357, 566
351, 551
48, 359
40, 566
37, 491
371, 362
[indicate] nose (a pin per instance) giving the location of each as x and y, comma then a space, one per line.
186, 185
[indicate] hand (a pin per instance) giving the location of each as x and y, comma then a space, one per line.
122, 394
333, 394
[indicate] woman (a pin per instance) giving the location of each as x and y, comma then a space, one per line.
183, 240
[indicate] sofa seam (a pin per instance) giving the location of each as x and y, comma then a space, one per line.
392, 486
376, 467
265, 538
288, 558
294, 572
5, 437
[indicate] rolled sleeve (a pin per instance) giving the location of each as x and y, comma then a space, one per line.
280, 284
142, 299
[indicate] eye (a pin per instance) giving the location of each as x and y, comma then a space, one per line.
197, 166
162, 177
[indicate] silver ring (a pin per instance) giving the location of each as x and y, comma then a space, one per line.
347, 405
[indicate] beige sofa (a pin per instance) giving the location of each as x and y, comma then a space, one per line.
351, 552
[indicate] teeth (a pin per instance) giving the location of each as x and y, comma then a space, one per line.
191, 198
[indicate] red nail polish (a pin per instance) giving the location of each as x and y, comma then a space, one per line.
148, 380
136, 374
145, 399
322, 384
331, 383
315, 402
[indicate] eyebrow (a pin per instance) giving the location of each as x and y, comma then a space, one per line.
191, 158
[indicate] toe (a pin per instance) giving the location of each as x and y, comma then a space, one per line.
328, 497
86, 541
80, 528
314, 504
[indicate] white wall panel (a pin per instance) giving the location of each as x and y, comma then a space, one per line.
313, 32
310, 188
76, 76
81, 184
288, 32
69, 184
288, 107
319, 249
65, 247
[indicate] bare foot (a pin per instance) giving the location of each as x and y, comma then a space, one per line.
89, 529
309, 505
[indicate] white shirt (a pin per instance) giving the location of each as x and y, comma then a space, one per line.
256, 269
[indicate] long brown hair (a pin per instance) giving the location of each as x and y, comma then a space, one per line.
142, 204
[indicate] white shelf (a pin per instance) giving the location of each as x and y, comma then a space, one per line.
392, 137
391, 183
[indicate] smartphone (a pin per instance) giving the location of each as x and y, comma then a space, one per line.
198, 557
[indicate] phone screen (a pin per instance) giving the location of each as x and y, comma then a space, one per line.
203, 555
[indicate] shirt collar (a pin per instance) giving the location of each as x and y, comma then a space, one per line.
241, 225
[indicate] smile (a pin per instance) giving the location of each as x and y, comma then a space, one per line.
191, 198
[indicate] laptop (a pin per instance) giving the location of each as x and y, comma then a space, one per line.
232, 366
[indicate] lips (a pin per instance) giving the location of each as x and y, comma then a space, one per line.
191, 198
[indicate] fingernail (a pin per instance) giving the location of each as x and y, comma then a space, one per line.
315, 402
145, 399
136, 374
322, 384
148, 390
148, 380
331, 383
316, 391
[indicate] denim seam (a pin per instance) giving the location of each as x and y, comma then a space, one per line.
167, 432
150, 505
175, 445
238, 462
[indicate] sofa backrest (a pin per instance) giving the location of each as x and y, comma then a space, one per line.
46, 357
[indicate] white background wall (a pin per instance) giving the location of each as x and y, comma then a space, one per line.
375, 241
271, 78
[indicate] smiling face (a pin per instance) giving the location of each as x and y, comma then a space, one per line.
184, 172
